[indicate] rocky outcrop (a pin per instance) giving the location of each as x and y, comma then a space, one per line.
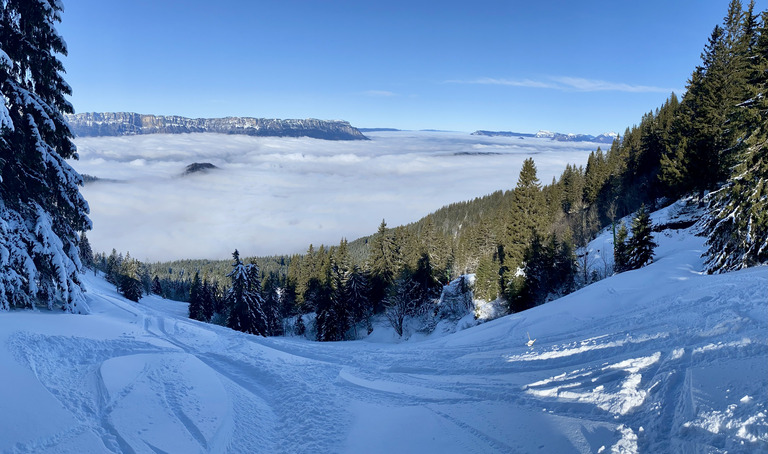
197, 167
129, 123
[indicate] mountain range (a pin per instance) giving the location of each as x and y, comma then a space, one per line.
130, 123
607, 137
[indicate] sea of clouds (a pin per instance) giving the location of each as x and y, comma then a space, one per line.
277, 195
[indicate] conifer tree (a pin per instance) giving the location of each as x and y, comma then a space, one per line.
526, 214
196, 299
41, 208
641, 245
357, 290
207, 297
272, 305
738, 212
382, 265
620, 250
244, 298
157, 288
128, 282
86, 253
427, 287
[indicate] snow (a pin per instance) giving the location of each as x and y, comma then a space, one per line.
661, 359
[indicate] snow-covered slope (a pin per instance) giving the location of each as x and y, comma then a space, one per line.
662, 359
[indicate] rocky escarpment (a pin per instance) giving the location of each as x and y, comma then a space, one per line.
129, 123
607, 137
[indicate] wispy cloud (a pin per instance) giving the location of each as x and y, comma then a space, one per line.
580, 84
508, 82
565, 83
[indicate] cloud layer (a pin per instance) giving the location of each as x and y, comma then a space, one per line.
278, 195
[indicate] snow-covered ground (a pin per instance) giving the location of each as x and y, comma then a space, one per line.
662, 359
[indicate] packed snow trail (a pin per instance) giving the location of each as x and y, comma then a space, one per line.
662, 359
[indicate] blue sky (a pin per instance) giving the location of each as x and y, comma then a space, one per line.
566, 66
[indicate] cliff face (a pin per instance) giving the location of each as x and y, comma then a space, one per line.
129, 123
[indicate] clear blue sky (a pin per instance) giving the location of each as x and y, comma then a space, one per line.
566, 66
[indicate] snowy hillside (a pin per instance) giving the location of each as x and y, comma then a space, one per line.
662, 359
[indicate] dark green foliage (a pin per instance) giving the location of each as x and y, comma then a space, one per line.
157, 289
427, 287
641, 245
382, 265
127, 278
196, 311
526, 216
358, 296
273, 305
86, 253
738, 219
549, 273
621, 250
244, 298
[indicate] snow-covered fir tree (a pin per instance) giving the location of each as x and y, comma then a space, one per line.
41, 208
128, 281
244, 298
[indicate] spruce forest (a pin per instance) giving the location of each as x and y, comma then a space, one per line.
526, 245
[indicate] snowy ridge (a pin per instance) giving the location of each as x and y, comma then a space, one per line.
661, 359
607, 137
129, 123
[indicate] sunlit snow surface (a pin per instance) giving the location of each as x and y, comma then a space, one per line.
278, 195
663, 359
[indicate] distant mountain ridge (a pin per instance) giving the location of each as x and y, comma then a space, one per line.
607, 137
130, 123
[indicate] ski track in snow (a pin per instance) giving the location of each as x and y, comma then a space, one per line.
657, 360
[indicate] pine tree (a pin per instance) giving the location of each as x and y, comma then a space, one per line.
41, 208
86, 253
427, 287
620, 250
526, 214
382, 265
128, 282
244, 298
738, 212
196, 299
641, 244
358, 291
207, 298
157, 288
272, 305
